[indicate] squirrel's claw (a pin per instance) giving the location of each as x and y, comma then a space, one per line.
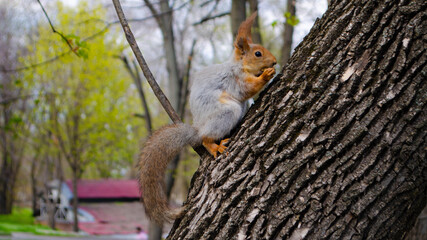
214, 148
222, 147
211, 146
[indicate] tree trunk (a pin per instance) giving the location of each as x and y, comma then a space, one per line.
238, 15
34, 197
335, 148
6, 188
288, 34
75, 201
170, 53
256, 29
10, 161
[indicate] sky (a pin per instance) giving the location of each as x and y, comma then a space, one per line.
307, 12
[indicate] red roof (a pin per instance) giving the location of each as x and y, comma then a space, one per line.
106, 188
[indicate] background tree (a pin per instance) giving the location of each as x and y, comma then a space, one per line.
336, 146
238, 15
14, 105
288, 32
88, 104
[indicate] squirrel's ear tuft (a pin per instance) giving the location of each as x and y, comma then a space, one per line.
244, 38
245, 27
242, 45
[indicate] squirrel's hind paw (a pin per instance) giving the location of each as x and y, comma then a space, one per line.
222, 145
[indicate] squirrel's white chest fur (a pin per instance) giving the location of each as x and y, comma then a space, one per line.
213, 116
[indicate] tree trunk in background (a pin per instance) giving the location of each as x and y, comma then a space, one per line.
256, 30
170, 54
75, 201
34, 197
6, 186
164, 21
335, 148
288, 34
11, 161
12, 107
238, 15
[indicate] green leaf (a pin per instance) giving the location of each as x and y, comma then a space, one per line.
274, 23
72, 37
16, 119
291, 19
84, 53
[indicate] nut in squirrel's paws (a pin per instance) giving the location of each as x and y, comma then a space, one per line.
268, 73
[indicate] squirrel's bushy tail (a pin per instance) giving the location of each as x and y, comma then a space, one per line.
158, 151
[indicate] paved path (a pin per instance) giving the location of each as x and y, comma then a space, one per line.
25, 236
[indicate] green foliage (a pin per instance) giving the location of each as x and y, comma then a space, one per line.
81, 48
86, 102
291, 19
274, 23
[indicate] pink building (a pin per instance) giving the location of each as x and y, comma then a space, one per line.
106, 206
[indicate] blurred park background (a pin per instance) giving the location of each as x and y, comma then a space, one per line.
75, 108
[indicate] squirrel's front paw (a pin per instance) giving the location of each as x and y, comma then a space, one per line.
268, 73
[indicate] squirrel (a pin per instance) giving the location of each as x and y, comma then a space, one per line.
218, 102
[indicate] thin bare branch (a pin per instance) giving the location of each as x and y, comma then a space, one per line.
143, 65
133, 71
100, 32
66, 40
147, 73
153, 11
208, 18
185, 88
3, 69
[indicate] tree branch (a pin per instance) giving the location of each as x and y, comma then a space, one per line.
147, 73
57, 32
134, 73
103, 30
143, 65
208, 18
153, 11
185, 88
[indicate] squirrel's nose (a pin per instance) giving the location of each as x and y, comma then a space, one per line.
274, 63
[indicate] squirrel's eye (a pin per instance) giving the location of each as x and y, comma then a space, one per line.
258, 54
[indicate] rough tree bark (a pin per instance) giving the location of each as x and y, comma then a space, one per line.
335, 148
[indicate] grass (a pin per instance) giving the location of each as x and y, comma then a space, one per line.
8, 228
18, 216
22, 220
